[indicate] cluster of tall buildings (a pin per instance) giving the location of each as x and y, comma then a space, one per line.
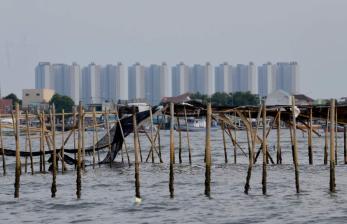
97, 84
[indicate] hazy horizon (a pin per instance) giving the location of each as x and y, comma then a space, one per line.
195, 31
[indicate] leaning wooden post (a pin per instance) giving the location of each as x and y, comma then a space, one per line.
295, 149
109, 135
188, 141
310, 154
224, 143
279, 150
62, 140
54, 154
137, 159
264, 149
152, 143
345, 144
18, 162
326, 139
30, 145
172, 151
3, 151
179, 140
79, 152
332, 146
208, 151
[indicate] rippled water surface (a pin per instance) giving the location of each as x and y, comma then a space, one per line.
108, 194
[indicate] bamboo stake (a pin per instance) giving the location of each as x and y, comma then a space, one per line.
279, 150
74, 132
295, 149
18, 162
172, 151
332, 147
235, 134
264, 145
54, 155
336, 135
62, 153
3, 151
137, 159
224, 142
179, 140
30, 145
43, 141
208, 151
188, 141
326, 139
94, 136
345, 144
310, 155
152, 144
83, 142
121, 130
79, 149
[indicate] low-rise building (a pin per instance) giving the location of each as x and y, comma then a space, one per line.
37, 97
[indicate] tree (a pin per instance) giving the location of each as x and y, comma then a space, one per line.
228, 99
14, 99
62, 102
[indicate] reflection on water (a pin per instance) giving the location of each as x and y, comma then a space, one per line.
108, 194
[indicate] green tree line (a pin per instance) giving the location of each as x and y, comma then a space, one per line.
228, 99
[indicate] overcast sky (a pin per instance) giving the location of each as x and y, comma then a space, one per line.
311, 32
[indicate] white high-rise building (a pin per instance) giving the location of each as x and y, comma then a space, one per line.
287, 75
180, 79
245, 78
158, 83
91, 84
223, 74
202, 79
114, 83
136, 85
43, 76
60, 73
266, 79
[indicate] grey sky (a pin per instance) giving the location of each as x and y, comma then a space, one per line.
312, 32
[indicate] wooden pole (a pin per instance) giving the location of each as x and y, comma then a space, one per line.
2, 150
30, 144
54, 155
235, 134
82, 141
121, 130
208, 151
75, 123
188, 141
336, 123
295, 149
43, 140
18, 162
179, 140
345, 144
332, 147
326, 139
152, 143
224, 142
310, 154
62, 141
79, 152
94, 136
172, 151
264, 145
279, 150
137, 159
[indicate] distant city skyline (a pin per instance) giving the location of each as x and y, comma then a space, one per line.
96, 83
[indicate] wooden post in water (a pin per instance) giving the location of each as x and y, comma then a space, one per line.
208, 151
336, 123
82, 141
18, 162
152, 142
295, 149
30, 145
345, 144
79, 152
188, 141
62, 153
108, 134
332, 146
172, 150
3, 151
310, 154
94, 136
235, 144
137, 159
54, 154
326, 139
43, 140
179, 140
224, 142
264, 150
279, 150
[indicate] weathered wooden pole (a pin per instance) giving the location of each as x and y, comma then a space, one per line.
94, 136
332, 146
108, 134
188, 140
310, 154
326, 135
43, 140
345, 144
172, 151
336, 123
264, 150
235, 142
79, 152
278, 148
224, 142
295, 149
18, 162
75, 123
3, 151
82, 141
137, 159
208, 151
151, 136
121, 130
179, 140
62, 153
30, 144
54, 154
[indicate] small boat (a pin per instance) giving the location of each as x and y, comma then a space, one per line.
195, 125
147, 129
